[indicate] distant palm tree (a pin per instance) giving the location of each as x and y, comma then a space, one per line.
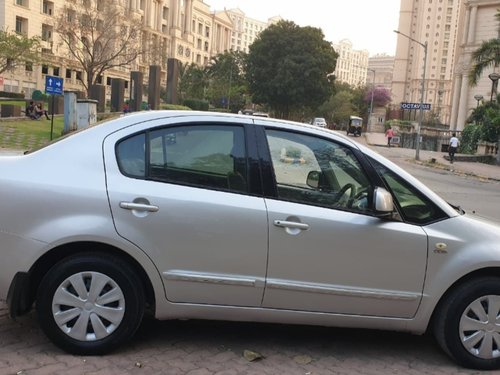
487, 55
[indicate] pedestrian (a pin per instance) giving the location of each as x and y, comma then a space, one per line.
41, 112
31, 112
389, 134
452, 148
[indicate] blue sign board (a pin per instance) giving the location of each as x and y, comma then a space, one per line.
426, 106
53, 85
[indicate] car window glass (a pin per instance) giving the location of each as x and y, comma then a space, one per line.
313, 170
131, 156
416, 208
206, 156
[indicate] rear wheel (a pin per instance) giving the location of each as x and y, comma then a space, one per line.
467, 324
90, 304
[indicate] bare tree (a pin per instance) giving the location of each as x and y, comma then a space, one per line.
18, 50
99, 35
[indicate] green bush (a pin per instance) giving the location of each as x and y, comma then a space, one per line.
196, 104
174, 107
469, 139
5, 94
491, 125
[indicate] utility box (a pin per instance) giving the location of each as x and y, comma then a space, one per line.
86, 110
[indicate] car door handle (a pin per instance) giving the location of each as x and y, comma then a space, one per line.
139, 206
291, 224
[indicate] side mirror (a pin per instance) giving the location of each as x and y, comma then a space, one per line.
313, 179
384, 205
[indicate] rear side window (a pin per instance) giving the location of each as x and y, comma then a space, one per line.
131, 155
203, 156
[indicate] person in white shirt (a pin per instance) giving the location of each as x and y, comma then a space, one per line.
452, 148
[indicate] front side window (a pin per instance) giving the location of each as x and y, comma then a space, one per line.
415, 207
316, 171
211, 157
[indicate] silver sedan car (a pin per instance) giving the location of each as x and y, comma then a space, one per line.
214, 216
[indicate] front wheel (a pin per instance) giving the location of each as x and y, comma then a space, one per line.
467, 324
89, 304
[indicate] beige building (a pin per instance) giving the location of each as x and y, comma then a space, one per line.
182, 29
477, 24
434, 22
380, 71
245, 29
352, 64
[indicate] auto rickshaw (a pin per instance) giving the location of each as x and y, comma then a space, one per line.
355, 125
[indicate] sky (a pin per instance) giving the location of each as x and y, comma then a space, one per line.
368, 24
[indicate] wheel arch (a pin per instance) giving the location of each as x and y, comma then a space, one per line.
483, 272
50, 258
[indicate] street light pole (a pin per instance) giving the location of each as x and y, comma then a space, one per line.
371, 102
478, 97
421, 114
494, 81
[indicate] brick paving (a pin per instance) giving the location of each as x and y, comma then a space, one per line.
216, 348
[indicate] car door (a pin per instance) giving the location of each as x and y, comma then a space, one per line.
327, 251
184, 193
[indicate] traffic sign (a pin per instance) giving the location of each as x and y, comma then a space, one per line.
426, 106
53, 85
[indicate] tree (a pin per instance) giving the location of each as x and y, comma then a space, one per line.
192, 82
99, 37
287, 68
18, 50
227, 83
338, 108
381, 96
486, 56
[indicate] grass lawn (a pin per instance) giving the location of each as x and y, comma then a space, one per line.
27, 134
20, 103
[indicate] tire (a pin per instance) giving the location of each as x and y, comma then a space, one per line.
73, 312
464, 324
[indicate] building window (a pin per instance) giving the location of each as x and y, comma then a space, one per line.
56, 71
79, 75
108, 81
45, 69
29, 67
68, 73
47, 33
21, 25
48, 7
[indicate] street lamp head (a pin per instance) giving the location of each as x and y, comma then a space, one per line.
494, 82
478, 97
494, 76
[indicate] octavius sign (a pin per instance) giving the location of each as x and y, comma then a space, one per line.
425, 106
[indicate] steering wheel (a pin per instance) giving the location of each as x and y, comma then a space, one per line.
358, 197
343, 190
